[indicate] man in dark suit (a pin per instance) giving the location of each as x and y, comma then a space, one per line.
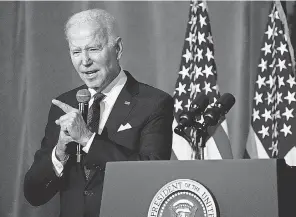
128, 121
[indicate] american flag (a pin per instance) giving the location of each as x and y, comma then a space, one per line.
198, 74
273, 122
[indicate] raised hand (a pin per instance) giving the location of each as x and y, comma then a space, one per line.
73, 127
64, 139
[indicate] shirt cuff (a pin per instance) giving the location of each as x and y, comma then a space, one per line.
88, 144
58, 165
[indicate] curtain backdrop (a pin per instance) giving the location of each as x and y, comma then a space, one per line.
35, 67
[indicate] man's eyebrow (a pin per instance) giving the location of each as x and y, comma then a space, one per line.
91, 45
72, 46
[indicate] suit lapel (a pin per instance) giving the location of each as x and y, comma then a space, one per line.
123, 105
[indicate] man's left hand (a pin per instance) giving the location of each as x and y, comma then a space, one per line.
73, 123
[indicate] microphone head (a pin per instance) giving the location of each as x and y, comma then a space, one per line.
185, 117
226, 102
200, 103
220, 108
179, 130
83, 96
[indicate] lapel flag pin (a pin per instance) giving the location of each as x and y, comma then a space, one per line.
127, 103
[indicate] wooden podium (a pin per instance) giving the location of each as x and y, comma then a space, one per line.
241, 188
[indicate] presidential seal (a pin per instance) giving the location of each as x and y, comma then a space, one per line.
183, 198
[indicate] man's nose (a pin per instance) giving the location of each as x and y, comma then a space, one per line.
85, 58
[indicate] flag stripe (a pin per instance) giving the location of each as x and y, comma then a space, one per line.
224, 144
173, 156
254, 146
246, 155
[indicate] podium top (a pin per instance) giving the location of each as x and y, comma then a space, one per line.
247, 187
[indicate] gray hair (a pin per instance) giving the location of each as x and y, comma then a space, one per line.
105, 22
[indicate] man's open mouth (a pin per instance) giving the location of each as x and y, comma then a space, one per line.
90, 74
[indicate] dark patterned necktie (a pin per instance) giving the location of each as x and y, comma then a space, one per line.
93, 116
93, 121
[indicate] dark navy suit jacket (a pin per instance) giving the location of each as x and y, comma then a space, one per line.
150, 113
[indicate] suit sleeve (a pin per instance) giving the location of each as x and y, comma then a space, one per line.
41, 182
155, 142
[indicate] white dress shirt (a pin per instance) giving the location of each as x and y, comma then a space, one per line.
111, 92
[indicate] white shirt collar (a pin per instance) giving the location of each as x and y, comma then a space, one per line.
112, 87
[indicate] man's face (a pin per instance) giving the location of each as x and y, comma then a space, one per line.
95, 61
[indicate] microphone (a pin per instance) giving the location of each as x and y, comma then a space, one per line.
187, 119
83, 96
213, 115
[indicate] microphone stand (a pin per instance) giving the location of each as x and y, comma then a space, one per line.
200, 137
202, 134
200, 140
83, 109
78, 148
199, 143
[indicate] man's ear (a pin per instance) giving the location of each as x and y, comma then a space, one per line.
119, 47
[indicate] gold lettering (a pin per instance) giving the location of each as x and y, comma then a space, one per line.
175, 185
187, 185
157, 203
211, 211
204, 194
195, 188
207, 201
180, 185
160, 197
152, 214
165, 191
153, 211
